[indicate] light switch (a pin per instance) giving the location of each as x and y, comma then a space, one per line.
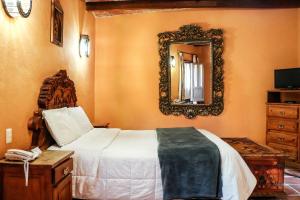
8, 135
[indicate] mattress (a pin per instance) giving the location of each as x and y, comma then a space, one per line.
114, 164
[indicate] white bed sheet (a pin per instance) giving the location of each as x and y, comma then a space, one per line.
123, 164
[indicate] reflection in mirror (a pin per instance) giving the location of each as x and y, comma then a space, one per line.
191, 73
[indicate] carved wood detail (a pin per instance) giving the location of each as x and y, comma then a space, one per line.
56, 92
266, 164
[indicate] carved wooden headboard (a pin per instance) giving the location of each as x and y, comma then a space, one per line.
56, 92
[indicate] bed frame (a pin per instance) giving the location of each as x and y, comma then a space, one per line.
57, 91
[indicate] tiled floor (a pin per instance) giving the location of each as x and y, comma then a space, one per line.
292, 186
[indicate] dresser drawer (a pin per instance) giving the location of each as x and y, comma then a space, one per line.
283, 112
282, 138
62, 170
291, 151
282, 125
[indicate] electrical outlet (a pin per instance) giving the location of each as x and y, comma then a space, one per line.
8, 135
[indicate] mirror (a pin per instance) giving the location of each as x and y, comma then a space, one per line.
191, 72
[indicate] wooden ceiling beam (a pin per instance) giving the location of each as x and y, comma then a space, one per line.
107, 5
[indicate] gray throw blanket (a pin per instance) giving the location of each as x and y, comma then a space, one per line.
190, 164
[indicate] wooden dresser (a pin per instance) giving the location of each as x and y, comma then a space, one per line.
283, 123
50, 178
265, 163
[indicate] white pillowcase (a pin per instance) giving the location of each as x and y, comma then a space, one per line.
63, 128
82, 120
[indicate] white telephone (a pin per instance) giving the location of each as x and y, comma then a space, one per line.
25, 156
17, 154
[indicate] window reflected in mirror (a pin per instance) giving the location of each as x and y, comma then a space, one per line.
191, 73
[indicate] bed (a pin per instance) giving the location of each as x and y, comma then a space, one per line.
110, 163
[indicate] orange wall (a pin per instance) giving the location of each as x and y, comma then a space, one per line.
127, 67
27, 57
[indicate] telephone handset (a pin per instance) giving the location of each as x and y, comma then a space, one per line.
25, 156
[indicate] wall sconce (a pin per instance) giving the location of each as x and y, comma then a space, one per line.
172, 61
84, 45
16, 8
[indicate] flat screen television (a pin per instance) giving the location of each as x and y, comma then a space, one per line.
287, 78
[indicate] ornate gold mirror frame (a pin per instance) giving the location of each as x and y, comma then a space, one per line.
191, 33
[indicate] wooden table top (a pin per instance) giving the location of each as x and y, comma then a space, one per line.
48, 158
248, 148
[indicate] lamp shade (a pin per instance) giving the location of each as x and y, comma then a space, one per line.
172, 61
24, 7
16, 8
11, 7
84, 46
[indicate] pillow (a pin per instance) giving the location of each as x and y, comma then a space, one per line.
81, 119
61, 126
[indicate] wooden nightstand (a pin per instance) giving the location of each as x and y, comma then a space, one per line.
49, 178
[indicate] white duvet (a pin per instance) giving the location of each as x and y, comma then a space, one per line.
122, 164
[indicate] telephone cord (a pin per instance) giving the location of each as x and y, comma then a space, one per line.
26, 171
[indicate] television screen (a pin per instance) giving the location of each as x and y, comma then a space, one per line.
287, 78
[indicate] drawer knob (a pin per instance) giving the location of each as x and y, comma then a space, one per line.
66, 171
282, 113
